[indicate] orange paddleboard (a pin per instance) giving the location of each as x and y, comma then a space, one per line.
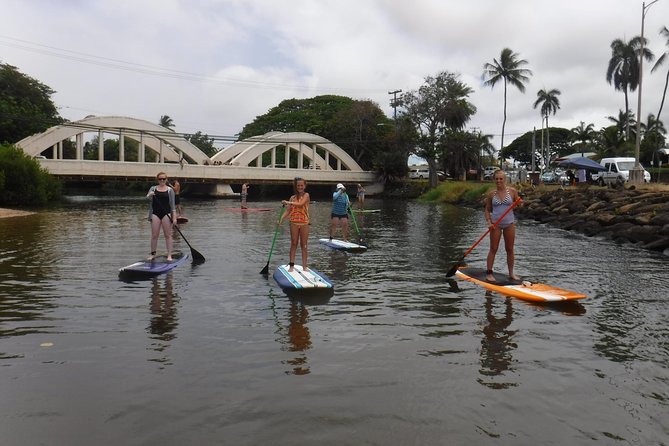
503, 284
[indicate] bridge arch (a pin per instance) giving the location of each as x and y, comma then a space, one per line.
296, 149
169, 146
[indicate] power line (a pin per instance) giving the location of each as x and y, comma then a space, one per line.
123, 65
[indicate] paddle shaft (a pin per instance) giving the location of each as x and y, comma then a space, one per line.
197, 257
492, 227
265, 270
355, 222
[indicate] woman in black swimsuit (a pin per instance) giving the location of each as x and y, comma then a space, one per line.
162, 213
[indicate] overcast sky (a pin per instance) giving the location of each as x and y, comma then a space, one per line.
214, 65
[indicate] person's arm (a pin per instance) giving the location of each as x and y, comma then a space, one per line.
151, 193
173, 206
488, 209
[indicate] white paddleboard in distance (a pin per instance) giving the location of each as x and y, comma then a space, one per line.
341, 245
299, 279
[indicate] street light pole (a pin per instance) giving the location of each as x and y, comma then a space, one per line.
636, 174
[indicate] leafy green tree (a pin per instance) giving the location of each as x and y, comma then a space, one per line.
398, 143
665, 56
203, 142
355, 126
520, 148
623, 69
26, 107
440, 105
550, 104
509, 70
23, 181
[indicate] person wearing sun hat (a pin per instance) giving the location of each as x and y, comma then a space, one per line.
339, 213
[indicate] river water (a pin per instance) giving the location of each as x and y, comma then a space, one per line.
217, 354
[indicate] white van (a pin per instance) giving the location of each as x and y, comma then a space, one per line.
419, 173
618, 169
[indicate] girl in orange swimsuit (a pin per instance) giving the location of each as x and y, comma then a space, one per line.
298, 216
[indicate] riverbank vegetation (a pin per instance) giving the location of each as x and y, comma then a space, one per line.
23, 182
458, 192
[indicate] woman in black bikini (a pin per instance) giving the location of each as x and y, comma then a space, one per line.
162, 213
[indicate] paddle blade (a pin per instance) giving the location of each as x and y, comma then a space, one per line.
454, 269
197, 257
265, 270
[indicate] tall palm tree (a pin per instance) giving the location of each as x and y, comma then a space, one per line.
623, 70
509, 68
166, 121
665, 33
583, 134
550, 104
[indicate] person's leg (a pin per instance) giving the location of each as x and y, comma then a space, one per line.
294, 233
495, 236
155, 233
509, 241
333, 226
167, 230
304, 240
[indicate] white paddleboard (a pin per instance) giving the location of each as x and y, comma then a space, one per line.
342, 245
298, 279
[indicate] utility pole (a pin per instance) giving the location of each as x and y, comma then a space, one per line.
394, 103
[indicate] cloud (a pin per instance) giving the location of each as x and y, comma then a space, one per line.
214, 65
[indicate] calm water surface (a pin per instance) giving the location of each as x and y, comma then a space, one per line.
217, 354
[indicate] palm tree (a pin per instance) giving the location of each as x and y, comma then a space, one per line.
623, 70
550, 104
166, 121
623, 122
508, 69
663, 32
583, 134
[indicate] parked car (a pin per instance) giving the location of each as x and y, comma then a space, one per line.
618, 169
489, 171
553, 177
419, 173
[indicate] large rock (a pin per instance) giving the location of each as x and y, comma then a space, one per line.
622, 215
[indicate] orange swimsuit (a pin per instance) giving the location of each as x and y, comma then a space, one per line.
299, 215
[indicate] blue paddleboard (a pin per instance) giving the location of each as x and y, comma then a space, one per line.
342, 245
149, 268
299, 279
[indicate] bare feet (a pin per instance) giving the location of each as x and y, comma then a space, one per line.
489, 276
304, 268
513, 276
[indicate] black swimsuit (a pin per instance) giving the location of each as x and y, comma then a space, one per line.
161, 204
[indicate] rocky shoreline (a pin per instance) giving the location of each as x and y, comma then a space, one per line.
629, 215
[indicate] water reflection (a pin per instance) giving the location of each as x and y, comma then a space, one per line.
164, 320
497, 343
295, 336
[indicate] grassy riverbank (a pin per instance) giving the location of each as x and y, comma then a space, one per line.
458, 192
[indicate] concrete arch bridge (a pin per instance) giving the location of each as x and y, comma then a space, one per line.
76, 151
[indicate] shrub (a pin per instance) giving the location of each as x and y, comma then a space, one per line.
23, 181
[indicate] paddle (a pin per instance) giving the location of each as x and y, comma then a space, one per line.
355, 223
455, 267
265, 270
197, 257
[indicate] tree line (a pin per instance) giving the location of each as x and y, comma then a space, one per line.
431, 123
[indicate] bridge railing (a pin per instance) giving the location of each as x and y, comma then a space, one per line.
94, 170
